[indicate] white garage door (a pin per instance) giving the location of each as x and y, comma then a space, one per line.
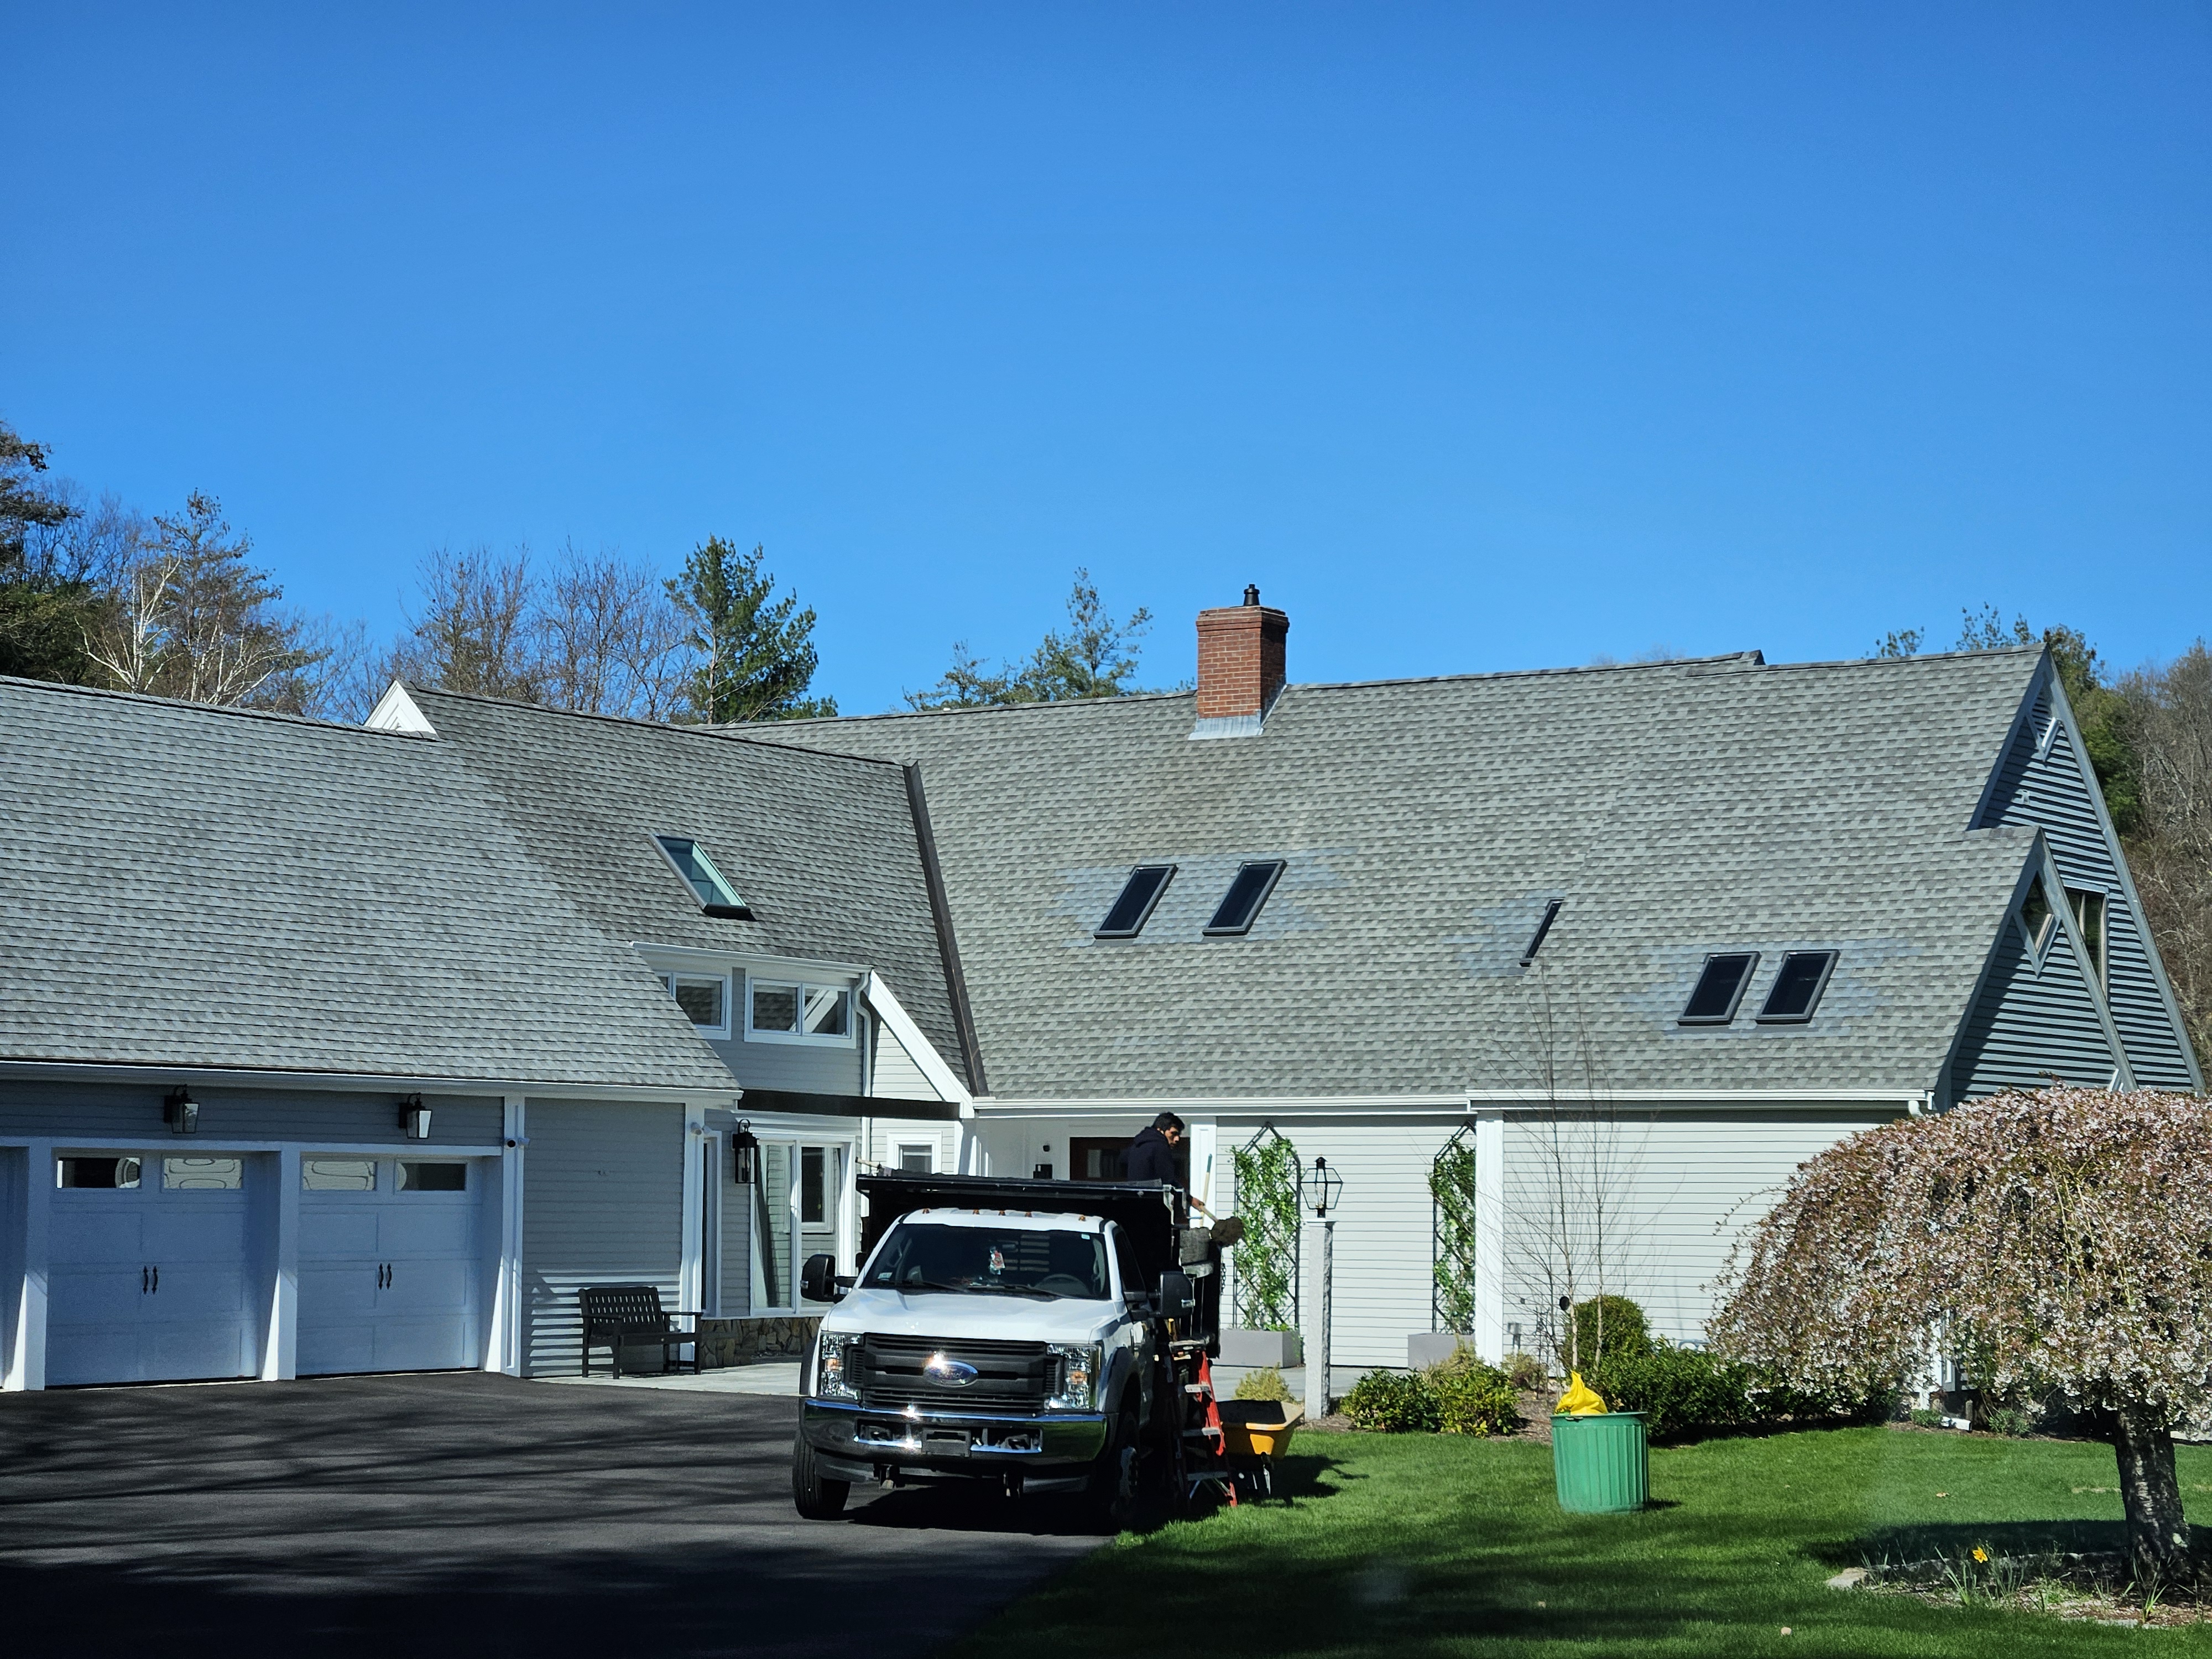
389, 1264
148, 1277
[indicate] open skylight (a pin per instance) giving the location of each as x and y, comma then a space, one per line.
715, 894
1240, 905
1797, 987
1720, 988
1134, 907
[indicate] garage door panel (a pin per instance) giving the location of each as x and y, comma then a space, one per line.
444, 1232
336, 1346
107, 1352
333, 1230
421, 1287
425, 1345
191, 1228
96, 1228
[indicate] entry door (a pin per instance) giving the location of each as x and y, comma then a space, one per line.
148, 1278
389, 1265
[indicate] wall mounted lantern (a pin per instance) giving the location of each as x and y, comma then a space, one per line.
745, 1148
1321, 1187
181, 1112
414, 1118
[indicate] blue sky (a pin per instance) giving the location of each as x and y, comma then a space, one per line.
1480, 337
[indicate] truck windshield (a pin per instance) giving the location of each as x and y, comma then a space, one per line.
927, 1255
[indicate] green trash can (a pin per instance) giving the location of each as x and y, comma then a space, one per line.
1600, 1464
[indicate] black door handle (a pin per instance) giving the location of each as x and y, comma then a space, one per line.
145, 1280
157, 1281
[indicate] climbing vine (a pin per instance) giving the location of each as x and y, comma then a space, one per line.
1451, 1185
1267, 1260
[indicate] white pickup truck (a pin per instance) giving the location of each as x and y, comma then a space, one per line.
1046, 1336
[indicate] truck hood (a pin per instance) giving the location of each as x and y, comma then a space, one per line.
999, 1318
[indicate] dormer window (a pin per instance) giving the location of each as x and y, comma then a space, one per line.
715, 894
783, 1012
704, 999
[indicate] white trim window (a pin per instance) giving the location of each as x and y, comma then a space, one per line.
783, 1011
705, 998
915, 1157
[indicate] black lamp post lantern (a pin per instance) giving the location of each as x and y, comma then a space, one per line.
181, 1112
414, 1118
1321, 1188
745, 1148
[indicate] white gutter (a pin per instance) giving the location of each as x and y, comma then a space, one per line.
361, 1082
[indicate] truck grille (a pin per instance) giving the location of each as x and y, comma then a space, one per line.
1009, 1375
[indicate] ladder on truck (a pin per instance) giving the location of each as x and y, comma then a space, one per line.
1201, 1453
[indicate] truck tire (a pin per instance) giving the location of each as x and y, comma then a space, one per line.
1117, 1477
815, 1497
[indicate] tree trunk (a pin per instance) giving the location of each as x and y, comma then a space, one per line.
2158, 1533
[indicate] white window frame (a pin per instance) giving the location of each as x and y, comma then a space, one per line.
846, 1039
669, 980
900, 1148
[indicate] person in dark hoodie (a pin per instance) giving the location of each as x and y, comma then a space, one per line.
1152, 1155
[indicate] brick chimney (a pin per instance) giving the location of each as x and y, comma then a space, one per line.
1240, 658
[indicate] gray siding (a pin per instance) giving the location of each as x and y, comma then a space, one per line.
2055, 789
108, 1110
1681, 1188
603, 1204
737, 1251
895, 1075
2030, 1025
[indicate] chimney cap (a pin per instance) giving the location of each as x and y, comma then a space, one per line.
1251, 592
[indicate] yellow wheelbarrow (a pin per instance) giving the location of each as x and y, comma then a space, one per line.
1254, 1433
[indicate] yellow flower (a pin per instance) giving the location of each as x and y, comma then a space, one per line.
1980, 1554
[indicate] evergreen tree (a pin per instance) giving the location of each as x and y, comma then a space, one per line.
46, 612
756, 651
1097, 657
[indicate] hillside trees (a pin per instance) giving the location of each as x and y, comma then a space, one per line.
2057, 1241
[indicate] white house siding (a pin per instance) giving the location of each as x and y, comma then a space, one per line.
2032, 1023
2050, 786
604, 1205
1679, 1189
895, 1076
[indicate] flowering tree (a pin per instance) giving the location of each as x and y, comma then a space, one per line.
2056, 1242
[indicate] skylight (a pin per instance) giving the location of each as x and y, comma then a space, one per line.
1797, 987
1720, 988
716, 896
1536, 938
1240, 905
1134, 907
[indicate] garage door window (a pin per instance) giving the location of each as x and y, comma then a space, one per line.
337, 1174
432, 1177
108, 1172
212, 1174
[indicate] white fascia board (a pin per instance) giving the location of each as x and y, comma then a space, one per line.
923, 1051
1459, 1104
689, 956
358, 1082
804, 1126
396, 711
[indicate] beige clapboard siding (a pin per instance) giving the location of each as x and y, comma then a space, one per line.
603, 1204
1681, 1188
895, 1075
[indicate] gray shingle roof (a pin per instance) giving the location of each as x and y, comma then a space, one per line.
821, 847
1677, 808
198, 887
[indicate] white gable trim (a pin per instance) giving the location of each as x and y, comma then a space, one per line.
396, 711
924, 1054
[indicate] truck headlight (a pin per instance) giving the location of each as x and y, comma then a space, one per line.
831, 1381
1078, 1364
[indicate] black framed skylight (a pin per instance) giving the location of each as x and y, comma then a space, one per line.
715, 894
1134, 907
1720, 988
1536, 938
1240, 905
1797, 990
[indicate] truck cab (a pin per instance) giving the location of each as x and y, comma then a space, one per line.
1029, 1333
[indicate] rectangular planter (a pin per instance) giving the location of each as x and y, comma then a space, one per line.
1281, 1349
1430, 1348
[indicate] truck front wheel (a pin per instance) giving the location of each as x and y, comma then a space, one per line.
1116, 1479
817, 1497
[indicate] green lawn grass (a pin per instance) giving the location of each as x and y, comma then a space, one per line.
1414, 1545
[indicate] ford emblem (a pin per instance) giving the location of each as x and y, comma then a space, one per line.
955, 1372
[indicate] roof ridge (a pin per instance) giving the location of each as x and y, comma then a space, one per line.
18, 682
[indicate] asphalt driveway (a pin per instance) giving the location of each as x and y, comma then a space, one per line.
468, 1514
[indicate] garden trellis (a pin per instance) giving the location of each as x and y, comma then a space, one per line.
1268, 1260
1451, 1194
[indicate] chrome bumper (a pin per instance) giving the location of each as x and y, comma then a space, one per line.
859, 1442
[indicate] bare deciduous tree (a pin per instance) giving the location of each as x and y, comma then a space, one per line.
478, 629
612, 640
2169, 727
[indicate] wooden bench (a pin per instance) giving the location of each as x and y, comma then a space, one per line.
619, 1317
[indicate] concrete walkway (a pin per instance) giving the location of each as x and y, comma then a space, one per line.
777, 1377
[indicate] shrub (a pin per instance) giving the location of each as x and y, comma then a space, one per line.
1606, 1327
1265, 1383
1473, 1400
1527, 1372
1396, 1402
1686, 1391
2010, 1421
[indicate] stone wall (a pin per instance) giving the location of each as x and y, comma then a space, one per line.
742, 1341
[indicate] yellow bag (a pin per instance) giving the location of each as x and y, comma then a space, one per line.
1580, 1401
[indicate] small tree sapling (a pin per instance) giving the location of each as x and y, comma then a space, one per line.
2059, 1241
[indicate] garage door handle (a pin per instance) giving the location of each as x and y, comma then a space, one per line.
145, 1280
157, 1281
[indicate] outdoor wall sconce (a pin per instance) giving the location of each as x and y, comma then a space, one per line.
414, 1118
745, 1148
181, 1112
1321, 1187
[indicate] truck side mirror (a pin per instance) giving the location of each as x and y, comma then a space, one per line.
1177, 1299
817, 1279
